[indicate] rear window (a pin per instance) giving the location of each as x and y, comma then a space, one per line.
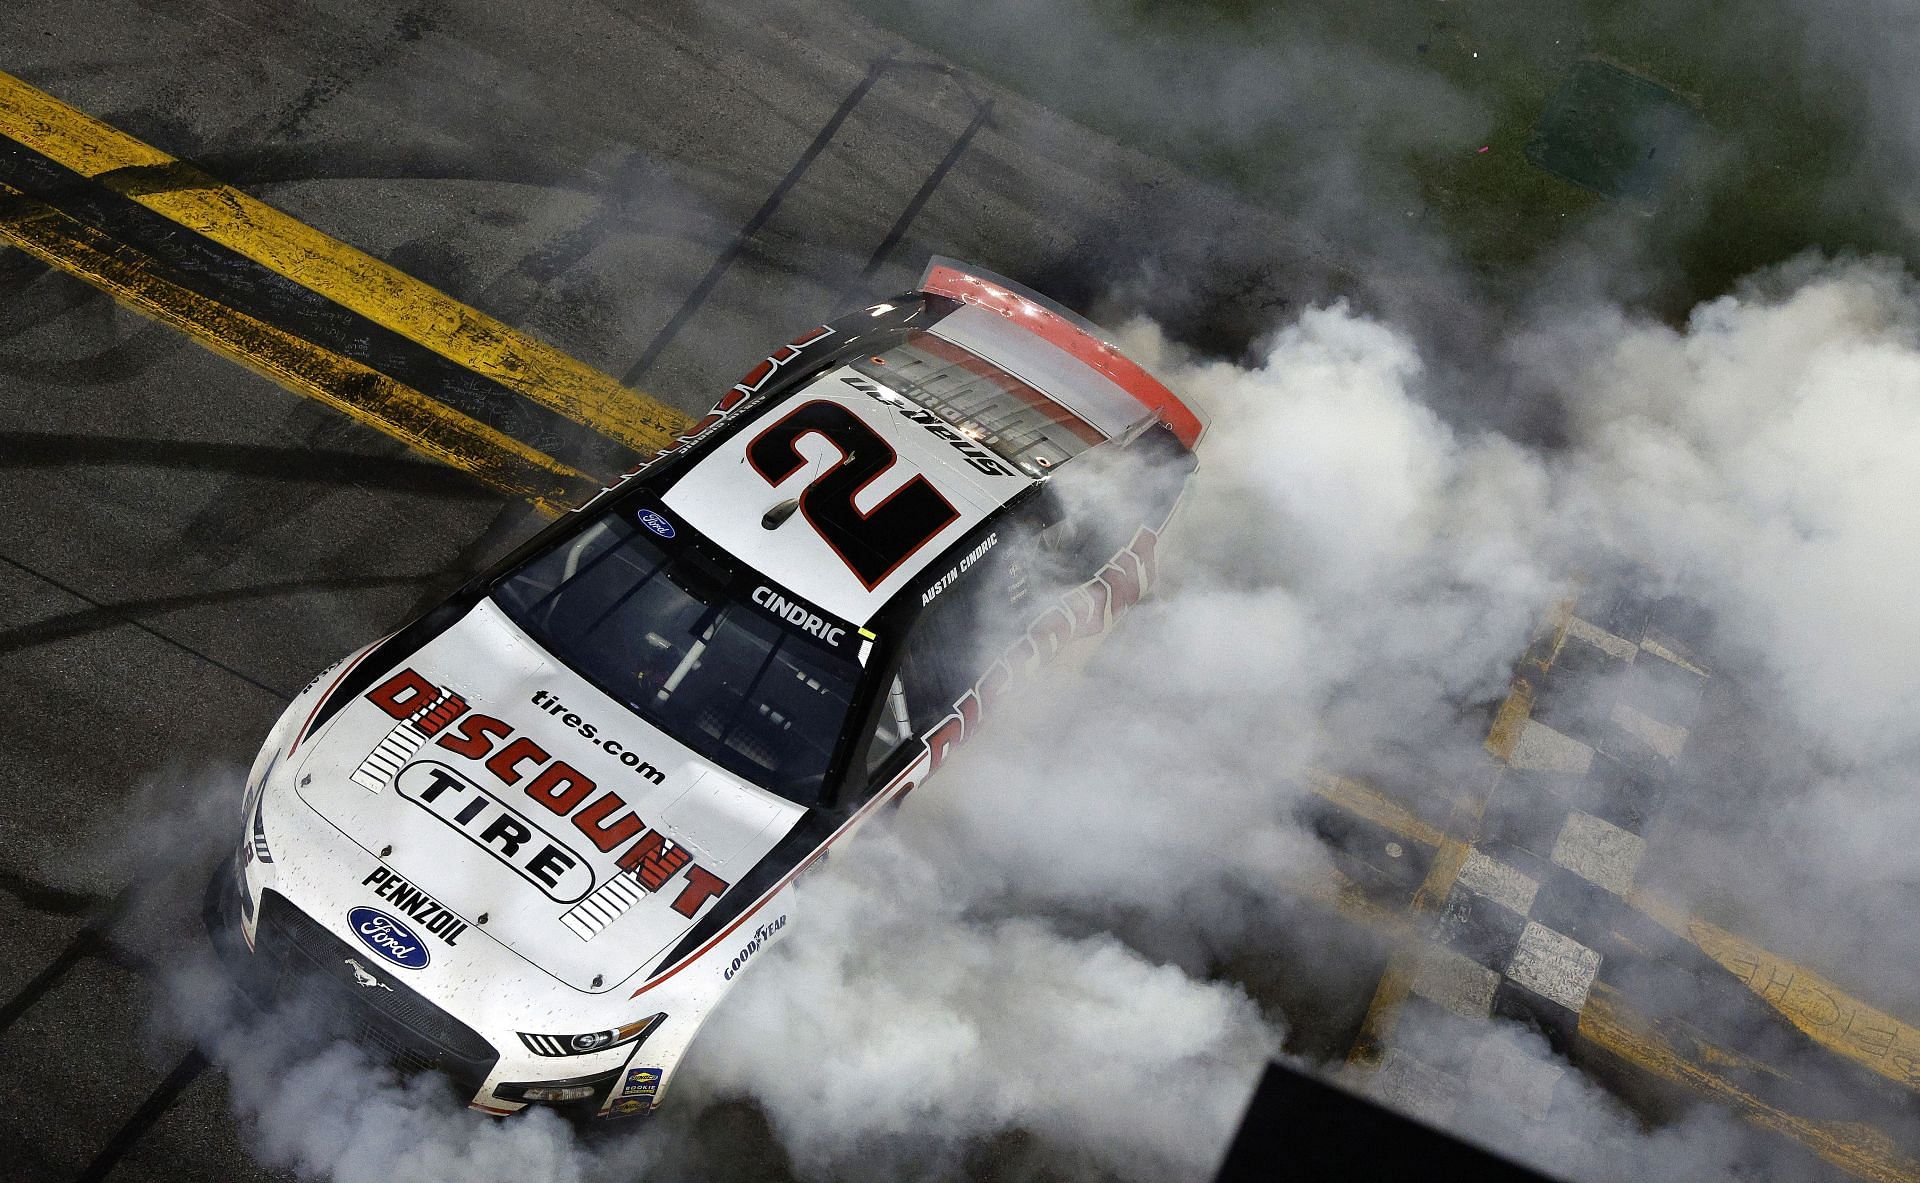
1018, 423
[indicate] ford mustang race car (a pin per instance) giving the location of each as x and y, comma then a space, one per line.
530, 839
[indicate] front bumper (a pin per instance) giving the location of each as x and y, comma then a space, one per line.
299, 968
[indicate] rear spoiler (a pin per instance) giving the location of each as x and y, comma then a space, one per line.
1060, 327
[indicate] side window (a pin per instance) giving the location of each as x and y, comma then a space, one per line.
942, 660
976, 614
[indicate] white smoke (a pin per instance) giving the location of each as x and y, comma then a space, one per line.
1761, 458
309, 1103
1350, 576
326, 1109
1765, 455
906, 1032
1335, 572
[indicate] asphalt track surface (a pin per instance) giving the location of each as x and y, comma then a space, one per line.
577, 230
663, 192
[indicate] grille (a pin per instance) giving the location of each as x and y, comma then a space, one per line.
412, 1033
309, 996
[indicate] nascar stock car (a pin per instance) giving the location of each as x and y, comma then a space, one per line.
530, 839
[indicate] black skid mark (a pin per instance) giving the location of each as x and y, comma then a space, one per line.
409, 27
90, 941
743, 238
39, 897
402, 473
163, 1098
147, 346
99, 615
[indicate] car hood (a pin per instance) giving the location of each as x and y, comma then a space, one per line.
490, 776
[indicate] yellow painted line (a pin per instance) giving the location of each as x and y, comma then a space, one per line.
1612, 644
336, 271
1820, 1009
1724, 1061
1654, 647
1545, 647
1609, 1024
1510, 720
1438, 884
1860, 1150
1397, 982
1330, 888
1383, 1013
1363, 800
1813, 1004
425, 424
1463, 826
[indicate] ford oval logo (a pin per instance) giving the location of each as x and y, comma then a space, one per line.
388, 937
656, 523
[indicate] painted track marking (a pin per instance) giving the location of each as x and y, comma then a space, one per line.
364, 394
347, 276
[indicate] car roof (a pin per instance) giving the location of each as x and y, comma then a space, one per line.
1079, 391
728, 493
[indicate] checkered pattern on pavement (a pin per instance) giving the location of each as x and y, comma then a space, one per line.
1526, 922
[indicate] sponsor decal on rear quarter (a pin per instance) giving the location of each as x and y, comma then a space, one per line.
388, 937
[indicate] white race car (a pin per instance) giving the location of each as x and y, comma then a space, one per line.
530, 839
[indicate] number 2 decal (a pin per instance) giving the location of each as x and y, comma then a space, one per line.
872, 544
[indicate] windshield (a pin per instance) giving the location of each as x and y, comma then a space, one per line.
666, 636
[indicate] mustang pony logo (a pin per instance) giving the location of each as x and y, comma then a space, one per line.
361, 976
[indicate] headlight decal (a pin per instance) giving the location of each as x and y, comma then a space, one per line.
592, 1041
260, 850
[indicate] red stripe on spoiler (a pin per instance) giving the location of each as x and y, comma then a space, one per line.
1050, 326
